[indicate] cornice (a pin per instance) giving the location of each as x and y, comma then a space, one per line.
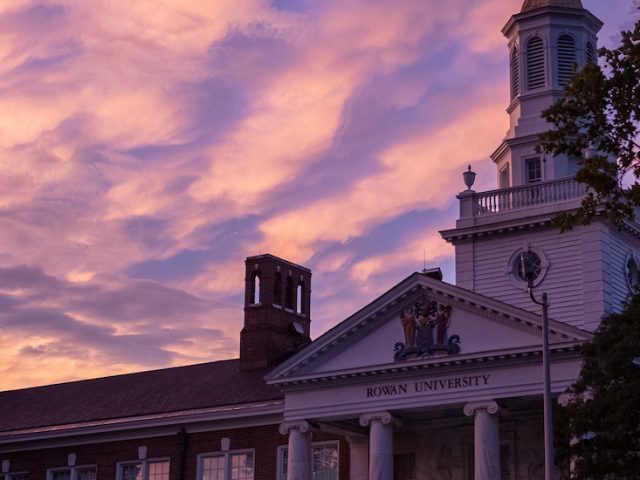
631, 227
238, 412
594, 21
520, 224
526, 223
391, 303
416, 368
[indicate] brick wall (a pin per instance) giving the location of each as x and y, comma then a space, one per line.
264, 440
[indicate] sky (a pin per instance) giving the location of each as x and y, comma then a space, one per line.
147, 148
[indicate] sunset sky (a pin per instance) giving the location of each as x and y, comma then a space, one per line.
147, 147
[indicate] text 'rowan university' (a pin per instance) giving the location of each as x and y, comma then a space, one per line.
426, 386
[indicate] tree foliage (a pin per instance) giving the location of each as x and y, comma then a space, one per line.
600, 427
598, 122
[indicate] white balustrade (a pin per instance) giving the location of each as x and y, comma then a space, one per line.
522, 197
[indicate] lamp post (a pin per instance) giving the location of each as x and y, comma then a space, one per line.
527, 265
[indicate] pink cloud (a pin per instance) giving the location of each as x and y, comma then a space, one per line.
146, 147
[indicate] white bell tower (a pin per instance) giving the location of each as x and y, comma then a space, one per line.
587, 272
548, 41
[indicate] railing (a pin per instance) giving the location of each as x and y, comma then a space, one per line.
527, 196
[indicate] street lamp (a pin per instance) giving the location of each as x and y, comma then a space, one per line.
528, 270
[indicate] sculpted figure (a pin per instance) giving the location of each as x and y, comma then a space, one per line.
408, 318
442, 323
425, 333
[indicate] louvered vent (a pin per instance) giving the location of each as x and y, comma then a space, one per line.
591, 53
515, 74
566, 59
535, 63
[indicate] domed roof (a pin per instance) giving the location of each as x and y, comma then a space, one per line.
533, 4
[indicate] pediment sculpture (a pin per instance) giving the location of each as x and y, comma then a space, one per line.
426, 331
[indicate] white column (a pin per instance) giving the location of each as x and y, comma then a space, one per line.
486, 439
358, 458
299, 466
380, 444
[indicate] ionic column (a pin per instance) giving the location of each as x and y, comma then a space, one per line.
299, 466
358, 458
380, 444
486, 439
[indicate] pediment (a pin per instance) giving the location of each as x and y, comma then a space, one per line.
422, 320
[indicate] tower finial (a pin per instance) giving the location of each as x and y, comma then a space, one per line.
424, 260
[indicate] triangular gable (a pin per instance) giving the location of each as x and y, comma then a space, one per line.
423, 320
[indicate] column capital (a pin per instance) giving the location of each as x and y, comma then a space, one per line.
488, 406
384, 418
299, 425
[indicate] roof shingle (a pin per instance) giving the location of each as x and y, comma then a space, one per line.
533, 4
174, 389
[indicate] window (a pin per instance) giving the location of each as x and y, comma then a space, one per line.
539, 265
515, 73
504, 177
16, 476
277, 289
590, 53
566, 59
325, 461
255, 289
143, 470
300, 293
632, 273
536, 266
535, 64
288, 294
226, 466
70, 473
62, 474
533, 170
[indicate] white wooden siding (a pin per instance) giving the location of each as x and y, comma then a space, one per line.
619, 245
586, 277
574, 280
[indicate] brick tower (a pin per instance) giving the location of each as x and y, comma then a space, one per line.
277, 311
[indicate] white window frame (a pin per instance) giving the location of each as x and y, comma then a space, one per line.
526, 179
144, 466
227, 454
528, 64
504, 174
282, 448
635, 258
515, 74
557, 55
515, 279
73, 470
10, 475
